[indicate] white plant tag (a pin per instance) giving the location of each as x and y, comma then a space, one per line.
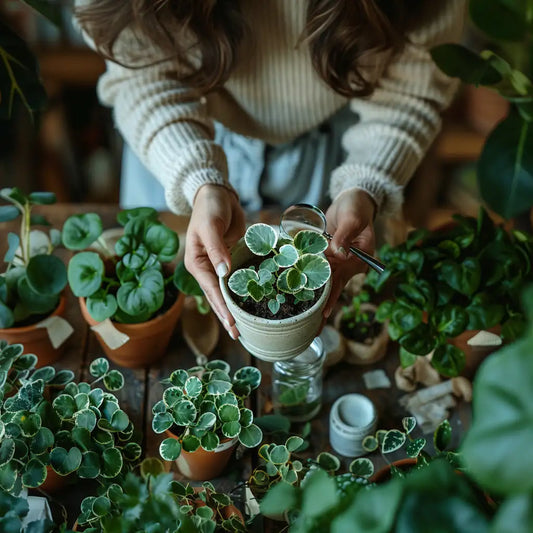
376, 379
110, 334
58, 329
251, 505
39, 510
484, 338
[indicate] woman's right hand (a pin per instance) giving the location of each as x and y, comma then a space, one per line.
217, 223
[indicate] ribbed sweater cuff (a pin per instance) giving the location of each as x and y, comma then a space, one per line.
387, 194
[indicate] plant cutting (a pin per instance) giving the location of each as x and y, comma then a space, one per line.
32, 284
52, 427
152, 501
204, 414
133, 285
277, 289
463, 278
365, 337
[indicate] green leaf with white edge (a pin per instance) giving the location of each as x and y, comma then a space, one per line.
393, 440
101, 305
250, 436
46, 373
13, 242
85, 418
161, 422
111, 463
310, 242
171, 397
287, 256
218, 386
119, 420
293, 443
146, 295
231, 429
238, 281
265, 276
193, 387
85, 273
250, 375
442, 436
170, 449
247, 417
80, 231
260, 238
96, 397
114, 380
210, 442
162, 241
228, 397
218, 364
90, 465
269, 264
82, 401
65, 406
151, 466
206, 421
414, 447
273, 306
408, 423
7, 451
132, 451
328, 461
218, 374
34, 474
361, 467
256, 291
64, 462
8, 477
279, 454
316, 268
101, 506
178, 377
190, 443
46, 274
304, 295
184, 413
229, 413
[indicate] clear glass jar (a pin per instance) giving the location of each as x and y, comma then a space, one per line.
297, 384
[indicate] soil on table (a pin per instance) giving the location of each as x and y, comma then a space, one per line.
363, 332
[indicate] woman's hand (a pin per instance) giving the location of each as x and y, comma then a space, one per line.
217, 223
350, 220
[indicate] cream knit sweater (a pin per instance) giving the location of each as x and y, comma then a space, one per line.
275, 95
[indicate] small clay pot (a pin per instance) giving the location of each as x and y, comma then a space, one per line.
148, 340
53, 481
383, 474
359, 353
202, 465
35, 340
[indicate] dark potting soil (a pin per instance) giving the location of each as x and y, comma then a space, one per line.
364, 332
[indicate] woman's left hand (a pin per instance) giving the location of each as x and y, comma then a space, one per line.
350, 221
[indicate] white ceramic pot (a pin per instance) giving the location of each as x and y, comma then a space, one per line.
270, 339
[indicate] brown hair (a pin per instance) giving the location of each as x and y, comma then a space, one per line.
339, 34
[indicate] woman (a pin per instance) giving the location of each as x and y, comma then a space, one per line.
198, 86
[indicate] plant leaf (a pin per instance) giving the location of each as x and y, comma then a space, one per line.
260, 238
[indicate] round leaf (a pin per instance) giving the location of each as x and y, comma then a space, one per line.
111, 463
310, 242
238, 281
80, 231
161, 422
114, 380
193, 387
85, 273
260, 238
90, 466
184, 413
170, 449
143, 296
34, 474
316, 268
162, 241
250, 436
101, 305
64, 462
99, 367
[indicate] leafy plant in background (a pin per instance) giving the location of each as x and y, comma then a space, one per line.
356, 323
34, 278
466, 277
19, 71
204, 405
128, 284
152, 501
293, 267
505, 167
52, 422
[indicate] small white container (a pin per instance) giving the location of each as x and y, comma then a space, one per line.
352, 418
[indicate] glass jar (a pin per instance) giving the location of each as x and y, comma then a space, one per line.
297, 384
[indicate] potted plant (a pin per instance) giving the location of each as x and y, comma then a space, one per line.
365, 337
128, 294
203, 412
464, 278
31, 287
277, 290
152, 501
51, 427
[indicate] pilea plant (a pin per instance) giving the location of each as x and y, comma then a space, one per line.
51, 422
292, 266
204, 405
152, 501
467, 276
356, 323
34, 278
128, 283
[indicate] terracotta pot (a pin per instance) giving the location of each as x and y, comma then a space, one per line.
383, 474
359, 353
35, 340
202, 465
148, 340
269, 339
53, 481
227, 512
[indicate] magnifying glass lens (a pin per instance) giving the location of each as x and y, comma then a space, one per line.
302, 217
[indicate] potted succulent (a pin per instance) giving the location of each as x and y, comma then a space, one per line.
51, 427
31, 287
277, 290
464, 278
203, 413
365, 337
152, 501
128, 294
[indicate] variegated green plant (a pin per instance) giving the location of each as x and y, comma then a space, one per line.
50, 421
292, 266
203, 406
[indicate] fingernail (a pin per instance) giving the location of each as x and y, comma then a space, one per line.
222, 270
341, 252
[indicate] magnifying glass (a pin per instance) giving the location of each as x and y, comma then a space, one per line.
299, 217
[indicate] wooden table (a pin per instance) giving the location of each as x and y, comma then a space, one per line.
143, 386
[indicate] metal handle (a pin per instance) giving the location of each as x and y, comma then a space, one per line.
372, 262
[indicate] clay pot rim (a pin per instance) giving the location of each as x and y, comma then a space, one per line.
59, 310
138, 325
384, 473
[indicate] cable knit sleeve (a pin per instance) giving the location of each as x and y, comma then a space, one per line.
166, 125
401, 119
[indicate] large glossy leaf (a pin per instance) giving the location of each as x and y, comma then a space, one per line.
505, 167
162, 241
316, 268
260, 238
143, 296
64, 462
85, 273
46, 274
80, 231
